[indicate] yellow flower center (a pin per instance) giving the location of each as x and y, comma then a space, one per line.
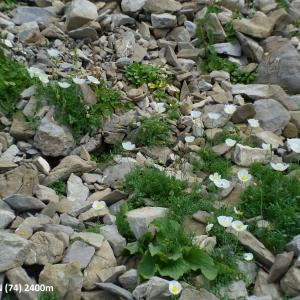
174, 289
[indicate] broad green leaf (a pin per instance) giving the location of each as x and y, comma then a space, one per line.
198, 259
174, 269
133, 248
147, 266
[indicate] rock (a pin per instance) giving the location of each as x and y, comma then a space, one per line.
42, 165
76, 190
245, 155
139, 219
111, 274
124, 48
93, 214
46, 249
295, 118
179, 34
163, 20
201, 216
13, 250
6, 217
281, 65
21, 203
250, 47
79, 252
70, 221
46, 194
290, 131
272, 115
132, 5
115, 290
94, 239
18, 276
259, 26
294, 245
65, 278
25, 14
10, 154
157, 7
79, 13
248, 269
121, 19
263, 288
235, 290
96, 295
129, 279
281, 265
102, 260
232, 49
20, 129
290, 283
192, 294
118, 171
218, 33
30, 33
67, 166
112, 235
84, 33
153, 289
269, 137
243, 113
205, 242
261, 253
264, 91
52, 139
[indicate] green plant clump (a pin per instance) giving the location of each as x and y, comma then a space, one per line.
221, 137
239, 76
209, 162
14, 78
48, 296
276, 198
152, 132
138, 74
95, 228
170, 253
122, 223
86, 117
59, 187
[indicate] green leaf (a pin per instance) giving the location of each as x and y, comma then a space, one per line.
198, 259
133, 248
147, 266
174, 269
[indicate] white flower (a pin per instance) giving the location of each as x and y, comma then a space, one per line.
222, 183
253, 123
189, 139
294, 145
93, 79
175, 287
35, 72
64, 85
78, 80
229, 108
214, 116
98, 204
209, 227
236, 211
53, 52
225, 221
7, 43
159, 107
214, 177
195, 114
239, 225
248, 256
244, 175
279, 166
230, 142
128, 146
43, 78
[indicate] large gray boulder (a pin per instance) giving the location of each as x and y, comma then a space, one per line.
13, 250
24, 14
22, 203
79, 13
271, 114
53, 139
281, 65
